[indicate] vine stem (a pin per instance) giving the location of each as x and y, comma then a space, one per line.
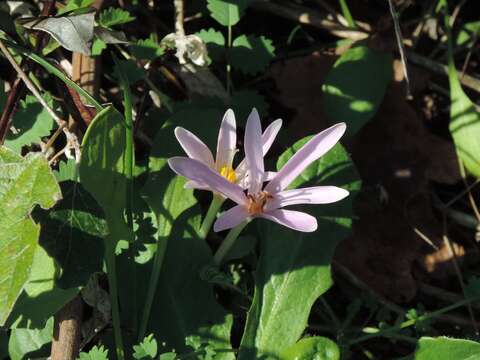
215, 205
228, 242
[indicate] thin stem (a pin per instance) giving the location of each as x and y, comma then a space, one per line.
228, 242
72, 140
412, 322
112, 284
347, 14
55, 71
229, 67
401, 47
129, 162
215, 205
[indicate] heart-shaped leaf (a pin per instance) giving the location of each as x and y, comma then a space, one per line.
443, 348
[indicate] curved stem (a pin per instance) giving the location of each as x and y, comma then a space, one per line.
228, 242
215, 205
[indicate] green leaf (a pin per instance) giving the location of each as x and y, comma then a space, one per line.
318, 348
294, 267
103, 157
96, 353
114, 16
464, 124
98, 47
147, 349
129, 70
72, 233
147, 49
28, 343
32, 122
24, 183
251, 54
41, 298
215, 42
351, 94
74, 32
227, 12
443, 348
75, 5
109, 36
67, 170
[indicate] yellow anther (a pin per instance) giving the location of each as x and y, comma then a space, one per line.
228, 173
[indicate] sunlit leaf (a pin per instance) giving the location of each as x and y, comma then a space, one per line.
251, 54
464, 124
227, 12
351, 93
24, 183
31, 122
318, 348
294, 267
95, 353
443, 348
114, 16
30, 343
74, 32
215, 42
147, 349
147, 49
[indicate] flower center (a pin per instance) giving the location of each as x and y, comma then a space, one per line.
228, 173
257, 202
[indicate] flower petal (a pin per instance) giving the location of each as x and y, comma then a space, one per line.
307, 154
231, 218
295, 220
227, 140
199, 172
268, 137
311, 195
270, 134
194, 147
253, 152
190, 184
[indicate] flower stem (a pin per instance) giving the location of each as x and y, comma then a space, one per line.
229, 68
215, 205
228, 242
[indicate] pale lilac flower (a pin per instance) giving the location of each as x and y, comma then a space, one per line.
226, 149
267, 202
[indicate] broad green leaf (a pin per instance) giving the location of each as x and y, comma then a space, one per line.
147, 349
114, 16
251, 54
215, 43
67, 170
227, 12
75, 5
147, 49
184, 304
31, 122
41, 298
30, 343
294, 267
355, 86
24, 183
464, 124
95, 353
318, 348
74, 32
73, 233
443, 348
102, 169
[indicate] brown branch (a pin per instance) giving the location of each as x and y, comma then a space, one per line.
67, 331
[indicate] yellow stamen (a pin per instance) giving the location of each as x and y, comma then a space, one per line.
228, 173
